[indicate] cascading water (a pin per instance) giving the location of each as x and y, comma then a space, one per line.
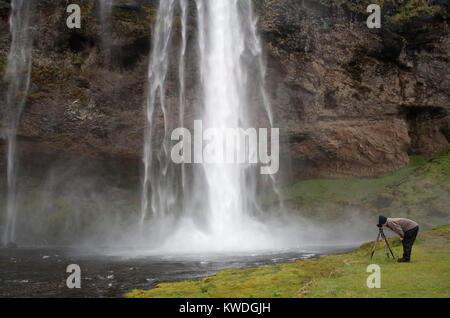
211, 208
156, 183
181, 75
225, 101
105, 10
18, 78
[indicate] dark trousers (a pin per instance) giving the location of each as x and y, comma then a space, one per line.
408, 241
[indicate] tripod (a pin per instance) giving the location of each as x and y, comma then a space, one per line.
386, 244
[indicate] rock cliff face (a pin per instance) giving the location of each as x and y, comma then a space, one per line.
348, 100
357, 101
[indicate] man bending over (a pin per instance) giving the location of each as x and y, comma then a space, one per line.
407, 229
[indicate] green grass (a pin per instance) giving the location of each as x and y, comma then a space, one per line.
418, 191
428, 275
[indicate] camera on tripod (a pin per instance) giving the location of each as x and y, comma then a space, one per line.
387, 248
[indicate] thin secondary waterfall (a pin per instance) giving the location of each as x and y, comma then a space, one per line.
105, 10
184, 8
18, 78
217, 202
155, 183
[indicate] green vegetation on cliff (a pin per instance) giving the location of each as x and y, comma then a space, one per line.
406, 10
419, 191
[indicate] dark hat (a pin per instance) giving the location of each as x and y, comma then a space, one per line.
382, 219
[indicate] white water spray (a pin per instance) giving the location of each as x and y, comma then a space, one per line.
214, 207
18, 78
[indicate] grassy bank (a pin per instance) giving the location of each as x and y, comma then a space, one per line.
428, 275
419, 191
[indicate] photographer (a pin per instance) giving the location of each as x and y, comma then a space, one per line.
407, 229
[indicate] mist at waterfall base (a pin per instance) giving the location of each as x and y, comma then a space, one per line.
93, 207
163, 208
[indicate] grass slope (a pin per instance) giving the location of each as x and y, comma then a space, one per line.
428, 275
419, 191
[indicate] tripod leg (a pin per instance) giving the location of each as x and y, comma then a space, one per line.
375, 246
386, 249
387, 243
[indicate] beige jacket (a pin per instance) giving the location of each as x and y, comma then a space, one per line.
400, 225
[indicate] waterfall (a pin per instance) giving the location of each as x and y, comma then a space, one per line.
18, 78
224, 84
215, 205
105, 9
158, 67
184, 8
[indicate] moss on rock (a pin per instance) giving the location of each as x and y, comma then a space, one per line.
404, 11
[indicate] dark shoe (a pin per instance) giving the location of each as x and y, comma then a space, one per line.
403, 260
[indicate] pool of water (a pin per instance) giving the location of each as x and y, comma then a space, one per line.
41, 272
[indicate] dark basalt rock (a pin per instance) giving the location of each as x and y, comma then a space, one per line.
342, 94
